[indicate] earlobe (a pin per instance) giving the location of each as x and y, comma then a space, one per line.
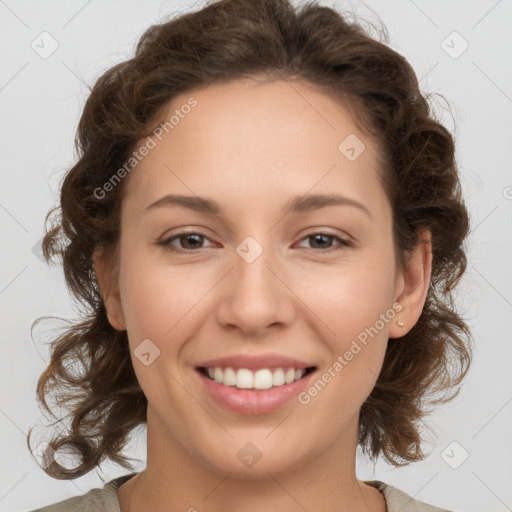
107, 279
414, 285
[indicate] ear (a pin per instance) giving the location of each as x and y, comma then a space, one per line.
413, 286
107, 277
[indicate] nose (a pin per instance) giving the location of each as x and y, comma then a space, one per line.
254, 296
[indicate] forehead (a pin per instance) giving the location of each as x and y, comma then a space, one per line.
248, 137
245, 110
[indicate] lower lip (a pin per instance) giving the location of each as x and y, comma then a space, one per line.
253, 402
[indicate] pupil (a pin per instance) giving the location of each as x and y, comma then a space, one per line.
324, 237
188, 237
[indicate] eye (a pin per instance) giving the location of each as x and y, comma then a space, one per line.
324, 241
188, 240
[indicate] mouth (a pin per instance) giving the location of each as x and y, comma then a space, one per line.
255, 391
257, 379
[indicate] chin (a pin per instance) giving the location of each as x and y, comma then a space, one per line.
247, 462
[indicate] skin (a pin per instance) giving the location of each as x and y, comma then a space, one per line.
251, 147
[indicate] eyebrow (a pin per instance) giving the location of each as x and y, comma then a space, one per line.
297, 204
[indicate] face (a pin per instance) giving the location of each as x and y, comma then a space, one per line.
254, 281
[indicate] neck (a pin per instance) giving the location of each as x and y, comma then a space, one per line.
176, 480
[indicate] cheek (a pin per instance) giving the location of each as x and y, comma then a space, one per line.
358, 319
159, 303
352, 295
167, 305
159, 299
354, 304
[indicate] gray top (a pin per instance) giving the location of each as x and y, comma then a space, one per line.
105, 499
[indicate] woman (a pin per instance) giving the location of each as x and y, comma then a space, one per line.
266, 224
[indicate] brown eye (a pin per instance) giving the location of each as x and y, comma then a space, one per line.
324, 241
321, 241
191, 241
184, 242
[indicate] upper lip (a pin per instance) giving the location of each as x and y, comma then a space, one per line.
254, 362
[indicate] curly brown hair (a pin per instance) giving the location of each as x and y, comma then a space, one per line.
90, 371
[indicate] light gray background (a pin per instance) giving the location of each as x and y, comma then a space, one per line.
41, 100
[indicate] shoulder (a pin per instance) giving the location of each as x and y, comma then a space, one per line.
95, 500
399, 501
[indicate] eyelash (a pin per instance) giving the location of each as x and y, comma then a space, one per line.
166, 244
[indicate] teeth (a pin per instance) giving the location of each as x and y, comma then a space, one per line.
244, 378
260, 379
278, 377
229, 378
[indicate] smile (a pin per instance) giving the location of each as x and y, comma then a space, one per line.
261, 379
253, 392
